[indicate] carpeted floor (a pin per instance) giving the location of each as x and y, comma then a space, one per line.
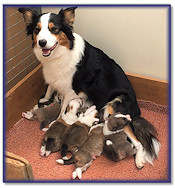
25, 137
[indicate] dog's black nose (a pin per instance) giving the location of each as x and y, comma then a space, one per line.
43, 42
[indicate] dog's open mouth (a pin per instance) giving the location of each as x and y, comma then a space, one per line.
47, 52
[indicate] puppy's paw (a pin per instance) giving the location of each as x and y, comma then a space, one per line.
27, 115
139, 158
48, 153
74, 175
79, 173
42, 151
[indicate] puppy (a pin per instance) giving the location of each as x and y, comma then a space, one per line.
141, 133
75, 135
116, 144
74, 109
51, 141
44, 115
91, 149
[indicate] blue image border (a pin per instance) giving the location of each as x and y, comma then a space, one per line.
169, 93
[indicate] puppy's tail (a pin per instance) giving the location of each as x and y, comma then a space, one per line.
109, 151
146, 134
67, 162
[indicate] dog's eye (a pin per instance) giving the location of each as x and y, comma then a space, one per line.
54, 30
36, 30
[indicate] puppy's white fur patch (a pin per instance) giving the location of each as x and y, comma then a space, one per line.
88, 117
65, 158
60, 161
106, 130
108, 142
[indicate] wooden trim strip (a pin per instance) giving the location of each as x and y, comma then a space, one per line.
149, 89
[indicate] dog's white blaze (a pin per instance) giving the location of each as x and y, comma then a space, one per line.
108, 142
45, 33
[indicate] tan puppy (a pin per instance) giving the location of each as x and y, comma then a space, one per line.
91, 149
44, 115
51, 141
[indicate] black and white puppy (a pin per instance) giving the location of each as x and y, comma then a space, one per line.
116, 144
91, 149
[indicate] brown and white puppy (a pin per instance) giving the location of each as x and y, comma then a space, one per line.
52, 138
74, 109
91, 149
116, 144
75, 135
142, 134
44, 115
51, 141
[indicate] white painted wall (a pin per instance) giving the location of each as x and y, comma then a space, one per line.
136, 38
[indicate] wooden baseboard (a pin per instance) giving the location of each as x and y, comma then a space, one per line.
149, 89
26, 93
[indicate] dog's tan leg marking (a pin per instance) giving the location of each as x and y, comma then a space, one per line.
139, 159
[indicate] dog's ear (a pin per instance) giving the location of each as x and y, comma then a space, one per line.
28, 14
68, 15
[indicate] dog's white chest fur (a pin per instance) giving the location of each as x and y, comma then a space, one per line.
58, 70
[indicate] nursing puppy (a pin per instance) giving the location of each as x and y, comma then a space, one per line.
116, 144
91, 149
141, 133
51, 141
75, 135
44, 115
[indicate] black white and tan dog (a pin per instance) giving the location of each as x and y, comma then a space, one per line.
75, 68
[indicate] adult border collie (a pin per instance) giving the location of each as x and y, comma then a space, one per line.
75, 68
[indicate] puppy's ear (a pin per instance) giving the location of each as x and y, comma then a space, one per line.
28, 14
68, 15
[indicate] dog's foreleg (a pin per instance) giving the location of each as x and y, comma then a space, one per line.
139, 159
48, 94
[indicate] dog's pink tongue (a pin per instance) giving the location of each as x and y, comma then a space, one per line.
46, 51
